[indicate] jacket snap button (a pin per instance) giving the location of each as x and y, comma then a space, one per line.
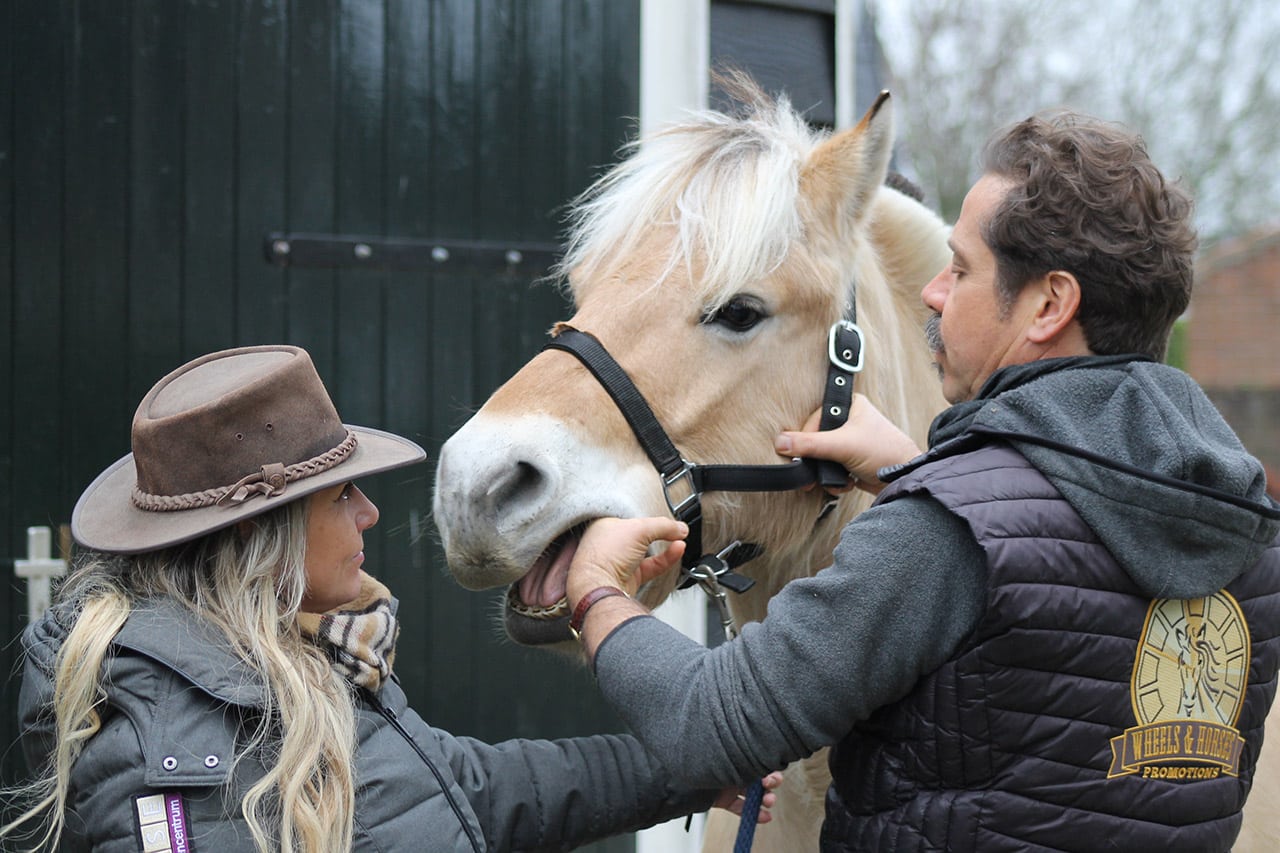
169, 763
211, 761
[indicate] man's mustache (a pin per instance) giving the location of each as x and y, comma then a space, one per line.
933, 333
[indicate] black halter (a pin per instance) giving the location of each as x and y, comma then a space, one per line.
684, 482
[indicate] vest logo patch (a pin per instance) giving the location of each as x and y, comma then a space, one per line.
1187, 688
162, 824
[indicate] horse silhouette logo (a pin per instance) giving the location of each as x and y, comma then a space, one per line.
1199, 665
1188, 685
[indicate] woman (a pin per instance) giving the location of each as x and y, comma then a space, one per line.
216, 674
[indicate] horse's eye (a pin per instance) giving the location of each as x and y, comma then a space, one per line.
738, 314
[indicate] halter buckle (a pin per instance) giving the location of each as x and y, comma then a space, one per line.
685, 472
838, 352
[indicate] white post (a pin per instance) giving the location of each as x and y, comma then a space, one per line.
848, 15
39, 569
675, 57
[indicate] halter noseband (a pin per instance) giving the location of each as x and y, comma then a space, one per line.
689, 480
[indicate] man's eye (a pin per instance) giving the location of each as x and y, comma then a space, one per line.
738, 314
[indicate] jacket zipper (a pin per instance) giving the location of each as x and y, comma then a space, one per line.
390, 716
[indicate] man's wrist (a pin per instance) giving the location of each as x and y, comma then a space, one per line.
578, 620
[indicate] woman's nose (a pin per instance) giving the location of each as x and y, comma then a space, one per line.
367, 513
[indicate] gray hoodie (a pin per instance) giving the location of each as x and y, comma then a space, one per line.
1143, 456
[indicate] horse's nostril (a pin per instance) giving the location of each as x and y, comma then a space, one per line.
521, 483
526, 478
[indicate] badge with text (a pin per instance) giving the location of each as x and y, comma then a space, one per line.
162, 824
1188, 686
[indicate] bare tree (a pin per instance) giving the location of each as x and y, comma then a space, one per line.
1199, 80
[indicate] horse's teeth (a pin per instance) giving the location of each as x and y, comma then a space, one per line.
560, 608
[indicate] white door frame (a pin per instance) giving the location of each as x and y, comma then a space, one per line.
675, 61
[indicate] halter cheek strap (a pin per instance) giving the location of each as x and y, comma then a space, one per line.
844, 357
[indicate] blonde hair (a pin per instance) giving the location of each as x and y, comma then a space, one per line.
248, 582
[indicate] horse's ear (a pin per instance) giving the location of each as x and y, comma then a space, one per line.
844, 173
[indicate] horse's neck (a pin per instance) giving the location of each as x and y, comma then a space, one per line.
774, 570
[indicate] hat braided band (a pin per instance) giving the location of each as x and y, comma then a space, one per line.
269, 481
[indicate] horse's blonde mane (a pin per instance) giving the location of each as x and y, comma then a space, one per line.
727, 185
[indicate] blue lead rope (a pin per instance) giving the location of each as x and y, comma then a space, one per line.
708, 578
750, 812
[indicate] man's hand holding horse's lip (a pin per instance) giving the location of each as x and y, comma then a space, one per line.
614, 552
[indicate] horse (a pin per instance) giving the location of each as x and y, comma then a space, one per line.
711, 263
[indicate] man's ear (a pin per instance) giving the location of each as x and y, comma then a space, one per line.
1058, 304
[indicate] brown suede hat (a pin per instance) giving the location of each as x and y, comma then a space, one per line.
223, 438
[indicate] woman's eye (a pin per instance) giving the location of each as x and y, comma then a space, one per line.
346, 492
738, 314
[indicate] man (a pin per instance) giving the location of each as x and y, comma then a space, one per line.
1060, 626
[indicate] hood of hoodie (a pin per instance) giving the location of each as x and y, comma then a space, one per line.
1142, 455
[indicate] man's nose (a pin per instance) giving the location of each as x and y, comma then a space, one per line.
934, 293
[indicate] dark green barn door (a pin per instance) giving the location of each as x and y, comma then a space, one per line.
147, 147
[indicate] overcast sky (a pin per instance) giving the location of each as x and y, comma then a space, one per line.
1200, 80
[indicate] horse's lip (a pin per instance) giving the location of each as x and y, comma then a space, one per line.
535, 624
540, 594
529, 627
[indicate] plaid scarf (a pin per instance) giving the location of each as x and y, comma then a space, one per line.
360, 635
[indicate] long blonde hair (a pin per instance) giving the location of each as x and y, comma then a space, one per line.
247, 581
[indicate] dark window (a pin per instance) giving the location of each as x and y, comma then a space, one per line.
785, 46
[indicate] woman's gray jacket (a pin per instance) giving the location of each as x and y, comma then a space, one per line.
177, 699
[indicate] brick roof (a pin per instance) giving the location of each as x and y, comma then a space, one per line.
1234, 251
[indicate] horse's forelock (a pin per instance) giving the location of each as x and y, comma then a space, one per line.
727, 188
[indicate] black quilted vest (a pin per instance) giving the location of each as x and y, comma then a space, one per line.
1028, 739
